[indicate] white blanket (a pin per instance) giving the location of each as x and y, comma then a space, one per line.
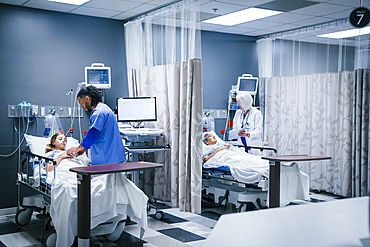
111, 194
247, 168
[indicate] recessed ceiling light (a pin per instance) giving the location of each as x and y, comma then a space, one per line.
346, 33
242, 16
74, 2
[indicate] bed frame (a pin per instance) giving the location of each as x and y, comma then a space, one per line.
112, 229
223, 176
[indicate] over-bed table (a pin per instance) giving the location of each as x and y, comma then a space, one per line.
274, 177
84, 191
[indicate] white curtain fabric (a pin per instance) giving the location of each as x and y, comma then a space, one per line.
315, 100
163, 60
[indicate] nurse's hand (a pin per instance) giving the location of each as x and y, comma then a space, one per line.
76, 150
244, 133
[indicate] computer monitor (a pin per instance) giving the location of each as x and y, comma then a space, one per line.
98, 75
248, 83
137, 109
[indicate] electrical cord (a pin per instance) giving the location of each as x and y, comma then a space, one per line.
20, 144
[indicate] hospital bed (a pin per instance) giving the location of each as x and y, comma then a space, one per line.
229, 182
56, 202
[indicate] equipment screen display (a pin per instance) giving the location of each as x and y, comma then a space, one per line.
249, 85
136, 109
98, 77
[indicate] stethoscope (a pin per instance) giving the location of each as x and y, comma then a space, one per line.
242, 117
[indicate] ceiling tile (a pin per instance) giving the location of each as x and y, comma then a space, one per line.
249, 3
42, 4
234, 30
312, 21
156, 2
116, 5
142, 8
339, 15
258, 32
321, 9
14, 2
220, 8
352, 3
281, 28
104, 13
287, 5
287, 17
123, 16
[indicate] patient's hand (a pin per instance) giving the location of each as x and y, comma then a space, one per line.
66, 156
76, 150
224, 147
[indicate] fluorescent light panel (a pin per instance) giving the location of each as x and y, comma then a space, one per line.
74, 2
242, 16
347, 33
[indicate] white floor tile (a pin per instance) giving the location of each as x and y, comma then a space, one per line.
19, 239
135, 231
193, 227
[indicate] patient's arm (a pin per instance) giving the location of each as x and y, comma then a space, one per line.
214, 153
58, 160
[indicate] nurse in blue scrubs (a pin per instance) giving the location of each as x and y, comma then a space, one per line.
103, 137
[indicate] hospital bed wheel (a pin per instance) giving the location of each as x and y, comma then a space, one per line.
261, 204
159, 215
23, 217
50, 239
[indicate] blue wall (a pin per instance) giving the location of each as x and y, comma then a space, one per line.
43, 55
225, 57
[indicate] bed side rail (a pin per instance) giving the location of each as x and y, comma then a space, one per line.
260, 148
26, 172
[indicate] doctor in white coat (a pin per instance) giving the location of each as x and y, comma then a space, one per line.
250, 119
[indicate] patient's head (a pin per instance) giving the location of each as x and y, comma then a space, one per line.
57, 142
89, 97
209, 139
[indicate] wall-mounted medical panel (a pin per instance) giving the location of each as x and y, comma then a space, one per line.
43, 111
217, 113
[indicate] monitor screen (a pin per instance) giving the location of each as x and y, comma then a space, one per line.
136, 109
248, 84
98, 76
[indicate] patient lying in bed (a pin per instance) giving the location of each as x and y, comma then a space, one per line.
56, 150
111, 194
243, 166
248, 168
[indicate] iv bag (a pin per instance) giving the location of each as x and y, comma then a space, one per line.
52, 125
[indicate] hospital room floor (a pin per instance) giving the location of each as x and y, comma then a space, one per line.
176, 229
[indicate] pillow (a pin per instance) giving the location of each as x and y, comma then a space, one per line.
37, 144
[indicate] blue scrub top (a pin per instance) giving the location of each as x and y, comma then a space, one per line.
108, 148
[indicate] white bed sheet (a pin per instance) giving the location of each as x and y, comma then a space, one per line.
247, 168
111, 194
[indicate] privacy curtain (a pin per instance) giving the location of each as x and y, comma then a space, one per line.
163, 60
315, 98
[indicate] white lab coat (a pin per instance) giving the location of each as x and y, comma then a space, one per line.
254, 123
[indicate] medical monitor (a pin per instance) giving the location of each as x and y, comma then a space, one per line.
137, 109
247, 83
98, 75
